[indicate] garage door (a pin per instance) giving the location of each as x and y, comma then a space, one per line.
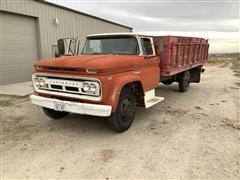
18, 47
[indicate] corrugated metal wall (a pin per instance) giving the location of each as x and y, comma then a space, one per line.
71, 24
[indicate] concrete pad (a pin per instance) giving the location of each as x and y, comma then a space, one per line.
17, 89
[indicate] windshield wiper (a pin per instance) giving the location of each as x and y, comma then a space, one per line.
91, 53
95, 53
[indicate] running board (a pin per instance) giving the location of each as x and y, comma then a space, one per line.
150, 99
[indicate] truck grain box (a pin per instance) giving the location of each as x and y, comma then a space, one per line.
178, 54
115, 73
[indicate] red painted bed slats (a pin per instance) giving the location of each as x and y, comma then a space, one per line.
180, 53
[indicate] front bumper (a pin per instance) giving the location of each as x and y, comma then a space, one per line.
74, 107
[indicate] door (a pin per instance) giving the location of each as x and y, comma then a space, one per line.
18, 47
150, 69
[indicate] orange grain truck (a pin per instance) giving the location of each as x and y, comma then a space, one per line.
115, 73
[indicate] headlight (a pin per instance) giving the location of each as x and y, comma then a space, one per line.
93, 88
41, 82
37, 81
86, 87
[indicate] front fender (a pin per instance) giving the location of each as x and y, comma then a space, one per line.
116, 85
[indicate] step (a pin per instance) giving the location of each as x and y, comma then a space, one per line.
150, 99
153, 101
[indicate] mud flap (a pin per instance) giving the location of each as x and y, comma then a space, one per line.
195, 74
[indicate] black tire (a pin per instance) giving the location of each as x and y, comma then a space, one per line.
54, 114
168, 82
184, 81
122, 118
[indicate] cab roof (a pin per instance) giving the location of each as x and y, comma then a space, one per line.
146, 34
118, 34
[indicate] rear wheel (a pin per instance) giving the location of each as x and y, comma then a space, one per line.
184, 81
122, 118
54, 114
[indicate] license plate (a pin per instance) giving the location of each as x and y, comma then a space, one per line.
59, 106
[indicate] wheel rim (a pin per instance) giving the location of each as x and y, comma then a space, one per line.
127, 111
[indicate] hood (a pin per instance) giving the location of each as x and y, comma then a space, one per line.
104, 64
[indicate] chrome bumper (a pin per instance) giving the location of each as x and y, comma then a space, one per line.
74, 107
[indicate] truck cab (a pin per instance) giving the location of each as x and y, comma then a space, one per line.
113, 75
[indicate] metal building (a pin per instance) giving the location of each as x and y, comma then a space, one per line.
29, 30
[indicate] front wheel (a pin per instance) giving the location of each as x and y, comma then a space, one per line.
122, 118
54, 114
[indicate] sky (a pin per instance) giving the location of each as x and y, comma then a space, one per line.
216, 20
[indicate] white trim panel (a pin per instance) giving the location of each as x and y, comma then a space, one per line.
150, 99
74, 107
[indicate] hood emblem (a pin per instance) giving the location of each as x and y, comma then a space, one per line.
91, 71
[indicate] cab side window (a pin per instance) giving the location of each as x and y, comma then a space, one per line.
147, 46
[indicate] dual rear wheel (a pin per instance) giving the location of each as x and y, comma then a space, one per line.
183, 80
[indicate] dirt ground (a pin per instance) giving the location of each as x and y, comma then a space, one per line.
193, 135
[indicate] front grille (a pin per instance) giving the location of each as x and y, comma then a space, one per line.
63, 85
67, 86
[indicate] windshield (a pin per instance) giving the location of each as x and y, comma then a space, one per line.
111, 45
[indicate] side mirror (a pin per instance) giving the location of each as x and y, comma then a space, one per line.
68, 46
